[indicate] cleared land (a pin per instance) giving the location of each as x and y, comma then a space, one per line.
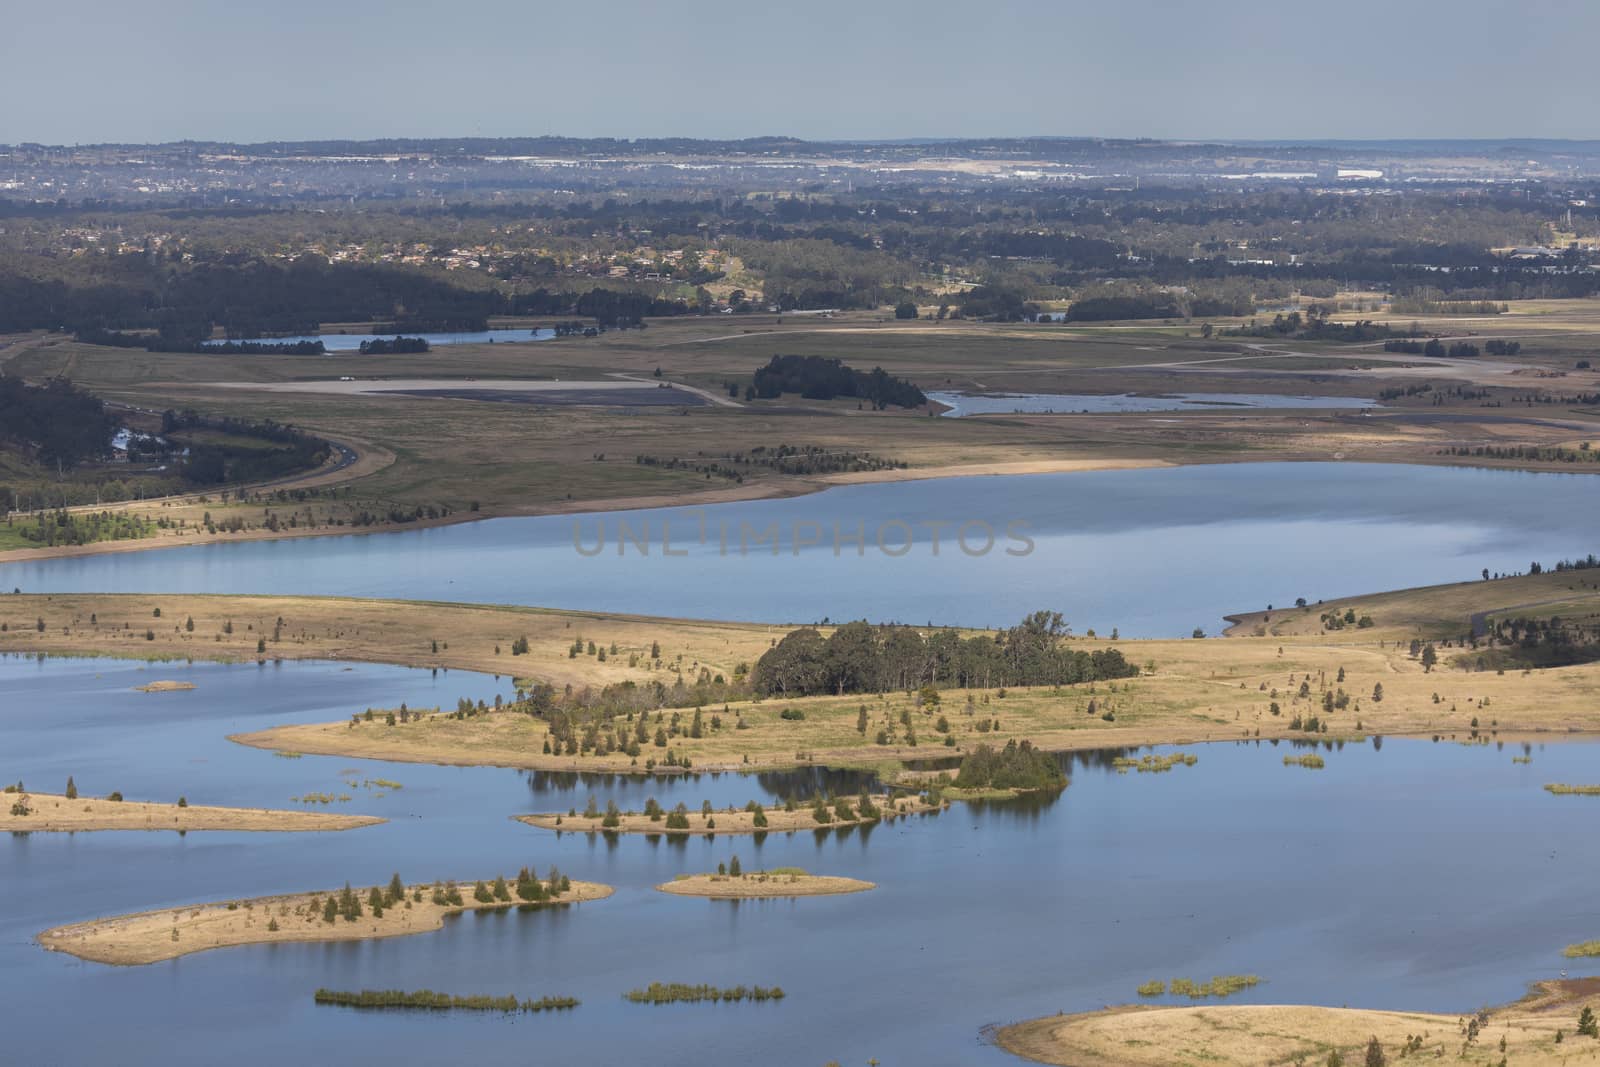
1241, 1035
54, 812
167, 933
762, 884
732, 820
515, 458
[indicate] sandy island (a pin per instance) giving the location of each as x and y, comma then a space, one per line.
729, 821
54, 812
1251, 1034
785, 882
167, 933
164, 687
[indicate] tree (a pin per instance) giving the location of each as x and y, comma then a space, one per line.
1586, 1023
1375, 1056
734, 870
72, 788
905, 310
861, 720
1430, 656
1377, 692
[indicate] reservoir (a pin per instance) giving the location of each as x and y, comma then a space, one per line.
1406, 874
1153, 552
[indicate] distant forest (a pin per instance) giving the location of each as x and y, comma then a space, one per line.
54, 424
862, 658
820, 378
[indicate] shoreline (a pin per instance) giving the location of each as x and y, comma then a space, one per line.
1236, 1035
769, 490
801, 486
139, 938
762, 885
54, 813
731, 821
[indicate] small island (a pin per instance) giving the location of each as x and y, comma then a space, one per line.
164, 687
22, 811
753, 818
394, 910
732, 883
1550, 1026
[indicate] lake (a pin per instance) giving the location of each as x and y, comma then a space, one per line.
1155, 552
1409, 874
963, 404
351, 342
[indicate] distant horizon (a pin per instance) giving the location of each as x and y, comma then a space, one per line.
908, 141
84, 72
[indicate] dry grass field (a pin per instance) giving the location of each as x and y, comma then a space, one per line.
1258, 1035
53, 812
1189, 691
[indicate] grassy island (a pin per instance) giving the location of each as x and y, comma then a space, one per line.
394, 910
734, 884
25, 811
1541, 1030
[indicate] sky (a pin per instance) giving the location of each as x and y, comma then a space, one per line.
86, 71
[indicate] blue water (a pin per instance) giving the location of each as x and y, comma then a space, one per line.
962, 404
1153, 553
351, 342
1416, 875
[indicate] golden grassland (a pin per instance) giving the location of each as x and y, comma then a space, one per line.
752, 885
1190, 691
1248, 1034
167, 933
410, 633
520, 459
54, 812
733, 820
1434, 612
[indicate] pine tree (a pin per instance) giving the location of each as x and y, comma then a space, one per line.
1375, 1056
397, 890
72, 788
734, 870
1586, 1023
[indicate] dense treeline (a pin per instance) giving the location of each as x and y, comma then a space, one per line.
679, 993
166, 343
863, 658
378, 346
231, 449
56, 423
820, 378
1017, 766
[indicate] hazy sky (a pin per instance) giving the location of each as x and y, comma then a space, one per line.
75, 71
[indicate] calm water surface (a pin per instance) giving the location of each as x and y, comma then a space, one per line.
1416, 875
1155, 552
351, 342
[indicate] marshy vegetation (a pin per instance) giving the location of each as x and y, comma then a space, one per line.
1222, 985
1581, 949
1311, 762
1154, 764
428, 1000
1561, 789
679, 993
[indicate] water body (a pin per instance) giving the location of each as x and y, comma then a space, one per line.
351, 342
962, 404
1424, 876
1153, 552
